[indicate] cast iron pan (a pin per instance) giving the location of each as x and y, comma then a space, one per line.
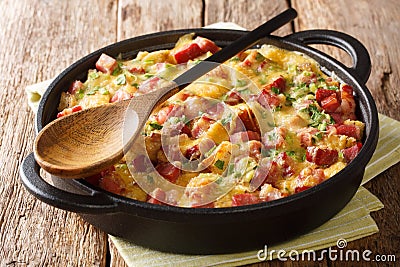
223, 230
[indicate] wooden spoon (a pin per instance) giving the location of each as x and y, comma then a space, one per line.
86, 142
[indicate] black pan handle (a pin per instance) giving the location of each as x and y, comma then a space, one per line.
94, 203
357, 51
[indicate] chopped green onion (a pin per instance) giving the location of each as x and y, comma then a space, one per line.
155, 125
259, 57
290, 153
227, 119
104, 91
91, 92
116, 71
148, 75
275, 90
241, 83
209, 152
245, 91
120, 80
93, 75
219, 164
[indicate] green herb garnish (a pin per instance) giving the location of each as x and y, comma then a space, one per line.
104, 91
155, 125
120, 80
219, 164
275, 90
94, 75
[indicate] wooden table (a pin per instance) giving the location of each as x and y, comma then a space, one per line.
41, 38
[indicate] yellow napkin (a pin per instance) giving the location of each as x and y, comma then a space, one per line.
352, 223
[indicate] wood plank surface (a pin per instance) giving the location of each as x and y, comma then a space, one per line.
376, 25
143, 17
248, 14
38, 39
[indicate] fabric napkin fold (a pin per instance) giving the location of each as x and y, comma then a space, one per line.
353, 222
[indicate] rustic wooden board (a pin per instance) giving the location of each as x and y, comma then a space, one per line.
38, 39
248, 14
142, 17
376, 25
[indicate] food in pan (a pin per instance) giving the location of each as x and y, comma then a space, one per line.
312, 132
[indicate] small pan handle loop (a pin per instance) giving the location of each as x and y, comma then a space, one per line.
357, 51
95, 203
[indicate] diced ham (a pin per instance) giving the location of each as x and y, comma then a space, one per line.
94, 179
330, 104
255, 149
107, 171
120, 95
350, 153
286, 164
75, 87
201, 126
68, 111
321, 156
149, 85
337, 117
329, 100
168, 171
158, 197
349, 130
233, 99
268, 99
141, 163
187, 52
111, 184
137, 70
348, 89
206, 45
279, 83
245, 199
306, 136
322, 93
106, 64
193, 153
267, 172
163, 114
246, 117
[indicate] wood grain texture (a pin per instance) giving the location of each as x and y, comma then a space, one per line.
115, 258
38, 40
246, 13
376, 25
142, 17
